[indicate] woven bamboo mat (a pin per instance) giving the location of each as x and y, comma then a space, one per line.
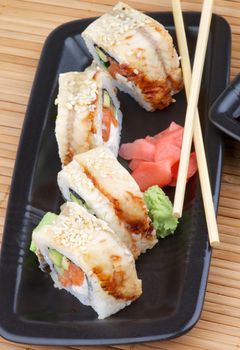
24, 25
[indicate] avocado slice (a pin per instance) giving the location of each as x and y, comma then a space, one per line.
106, 99
59, 270
56, 257
33, 247
47, 219
65, 263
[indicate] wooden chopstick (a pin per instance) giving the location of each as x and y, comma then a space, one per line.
197, 133
199, 58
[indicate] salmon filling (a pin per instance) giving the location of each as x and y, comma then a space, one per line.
107, 120
108, 116
74, 275
69, 274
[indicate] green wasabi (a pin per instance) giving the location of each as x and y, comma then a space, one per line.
46, 220
160, 211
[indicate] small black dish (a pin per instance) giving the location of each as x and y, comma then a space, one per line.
225, 111
174, 273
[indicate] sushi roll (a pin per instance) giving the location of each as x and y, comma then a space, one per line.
96, 180
88, 113
86, 258
138, 53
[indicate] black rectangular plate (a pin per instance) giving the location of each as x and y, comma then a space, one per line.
174, 273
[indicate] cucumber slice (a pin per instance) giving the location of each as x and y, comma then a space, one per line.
106, 64
106, 99
101, 55
56, 257
115, 113
75, 199
65, 263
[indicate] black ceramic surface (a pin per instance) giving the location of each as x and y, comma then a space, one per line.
225, 112
174, 273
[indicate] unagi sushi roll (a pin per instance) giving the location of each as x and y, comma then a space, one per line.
88, 113
96, 180
87, 259
139, 54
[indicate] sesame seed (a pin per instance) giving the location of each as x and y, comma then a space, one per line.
147, 21
69, 106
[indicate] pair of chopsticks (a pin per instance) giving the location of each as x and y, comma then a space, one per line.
192, 126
